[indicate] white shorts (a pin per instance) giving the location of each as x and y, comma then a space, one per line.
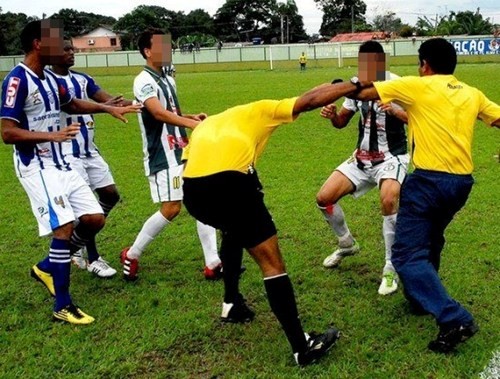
58, 197
166, 185
94, 170
364, 180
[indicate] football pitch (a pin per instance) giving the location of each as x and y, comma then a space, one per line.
166, 325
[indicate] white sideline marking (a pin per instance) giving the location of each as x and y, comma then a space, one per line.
492, 371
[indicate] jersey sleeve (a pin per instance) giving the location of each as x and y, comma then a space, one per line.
350, 104
92, 86
489, 111
14, 93
144, 88
402, 90
282, 112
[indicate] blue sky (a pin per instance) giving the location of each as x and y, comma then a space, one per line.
407, 11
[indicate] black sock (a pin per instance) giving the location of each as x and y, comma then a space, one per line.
282, 300
92, 253
231, 255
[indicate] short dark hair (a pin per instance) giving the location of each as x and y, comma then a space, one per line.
439, 54
31, 32
144, 40
371, 47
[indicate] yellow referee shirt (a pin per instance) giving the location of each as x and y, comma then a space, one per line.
441, 116
234, 139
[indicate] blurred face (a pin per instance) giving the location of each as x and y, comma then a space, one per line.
372, 66
51, 46
160, 53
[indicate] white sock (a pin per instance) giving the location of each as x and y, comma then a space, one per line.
334, 216
388, 230
208, 239
151, 228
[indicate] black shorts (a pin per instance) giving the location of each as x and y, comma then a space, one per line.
232, 202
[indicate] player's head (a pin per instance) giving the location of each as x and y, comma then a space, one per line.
31, 32
371, 61
45, 37
68, 57
438, 55
156, 47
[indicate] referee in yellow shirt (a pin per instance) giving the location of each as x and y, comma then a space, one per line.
441, 115
221, 189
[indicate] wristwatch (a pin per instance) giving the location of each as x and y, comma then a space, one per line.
357, 83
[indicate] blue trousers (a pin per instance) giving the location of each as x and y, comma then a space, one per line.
429, 200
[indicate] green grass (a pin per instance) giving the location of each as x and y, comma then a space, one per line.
166, 325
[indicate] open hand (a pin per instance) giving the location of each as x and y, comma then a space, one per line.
67, 133
118, 112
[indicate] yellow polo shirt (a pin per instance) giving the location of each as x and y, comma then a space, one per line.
441, 116
234, 139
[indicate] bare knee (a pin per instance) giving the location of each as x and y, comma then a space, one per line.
170, 209
109, 195
389, 204
322, 199
268, 256
63, 232
335, 187
93, 222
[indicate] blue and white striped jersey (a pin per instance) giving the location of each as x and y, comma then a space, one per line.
34, 103
80, 86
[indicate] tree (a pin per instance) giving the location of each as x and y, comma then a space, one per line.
241, 19
198, 21
387, 22
146, 16
77, 23
293, 24
11, 25
342, 16
473, 23
426, 26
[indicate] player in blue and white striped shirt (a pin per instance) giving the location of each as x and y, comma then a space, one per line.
30, 105
83, 154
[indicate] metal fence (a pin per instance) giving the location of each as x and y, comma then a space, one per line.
270, 53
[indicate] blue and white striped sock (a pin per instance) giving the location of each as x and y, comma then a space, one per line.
60, 268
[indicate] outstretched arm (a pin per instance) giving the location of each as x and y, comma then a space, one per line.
154, 107
328, 93
77, 106
103, 97
12, 133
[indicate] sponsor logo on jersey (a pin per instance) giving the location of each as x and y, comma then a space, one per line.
42, 211
389, 167
62, 89
50, 95
35, 96
147, 90
12, 88
90, 124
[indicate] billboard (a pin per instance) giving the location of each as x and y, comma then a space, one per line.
476, 46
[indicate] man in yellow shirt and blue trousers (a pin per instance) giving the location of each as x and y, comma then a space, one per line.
441, 112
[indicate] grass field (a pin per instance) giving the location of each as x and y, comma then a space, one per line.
166, 324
